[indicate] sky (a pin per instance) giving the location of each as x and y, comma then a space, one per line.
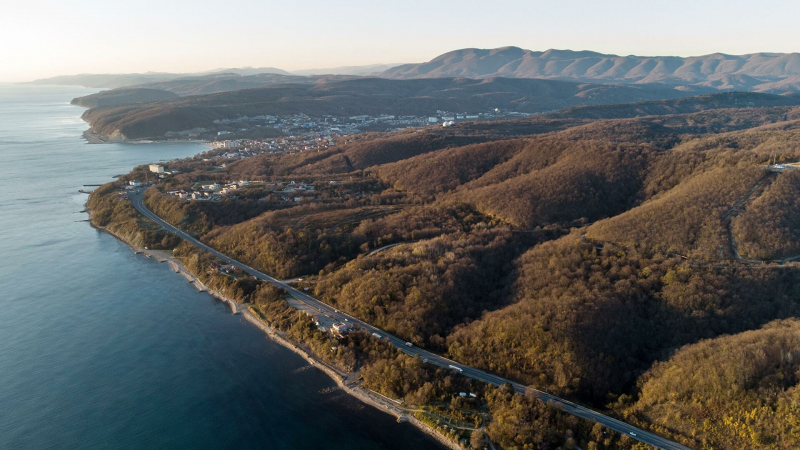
42, 38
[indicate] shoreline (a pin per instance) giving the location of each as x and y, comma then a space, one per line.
94, 138
340, 378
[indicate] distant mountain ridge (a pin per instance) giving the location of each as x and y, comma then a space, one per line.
247, 77
123, 96
761, 72
371, 69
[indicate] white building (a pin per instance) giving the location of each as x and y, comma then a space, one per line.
156, 168
341, 328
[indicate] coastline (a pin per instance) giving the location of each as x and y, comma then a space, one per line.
343, 380
94, 138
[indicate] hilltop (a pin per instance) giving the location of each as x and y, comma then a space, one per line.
760, 72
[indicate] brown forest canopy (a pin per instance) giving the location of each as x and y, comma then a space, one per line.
595, 258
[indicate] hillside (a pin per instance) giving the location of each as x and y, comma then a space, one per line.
122, 80
590, 257
761, 72
679, 106
687, 211
739, 391
226, 82
372, 96
118, 97
769, 227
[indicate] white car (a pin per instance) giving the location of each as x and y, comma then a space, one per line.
409, 344
632, 433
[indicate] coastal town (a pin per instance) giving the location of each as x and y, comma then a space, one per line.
215, 191
305, 126
299, 133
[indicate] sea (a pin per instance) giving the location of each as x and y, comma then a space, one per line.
101, 348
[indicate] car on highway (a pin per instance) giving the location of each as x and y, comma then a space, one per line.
632, 433
409, 344
376, 335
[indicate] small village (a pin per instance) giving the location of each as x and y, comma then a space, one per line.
288, 191
303, 134
214, 191
310, 133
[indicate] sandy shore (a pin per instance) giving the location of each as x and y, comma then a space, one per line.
345, 381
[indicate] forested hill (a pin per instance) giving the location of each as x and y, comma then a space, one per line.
117, 97
364, 96
604, 260
679, 106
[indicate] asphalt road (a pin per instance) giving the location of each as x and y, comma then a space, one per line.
432, 358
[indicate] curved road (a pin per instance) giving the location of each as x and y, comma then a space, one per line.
568, 407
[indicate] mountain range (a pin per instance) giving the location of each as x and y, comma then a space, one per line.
774, 73
242, 78
761, 72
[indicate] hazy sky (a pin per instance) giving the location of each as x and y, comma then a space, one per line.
47, 37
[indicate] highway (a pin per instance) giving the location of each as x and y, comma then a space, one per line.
654, 440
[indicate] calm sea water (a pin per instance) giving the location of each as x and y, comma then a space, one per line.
100, 348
